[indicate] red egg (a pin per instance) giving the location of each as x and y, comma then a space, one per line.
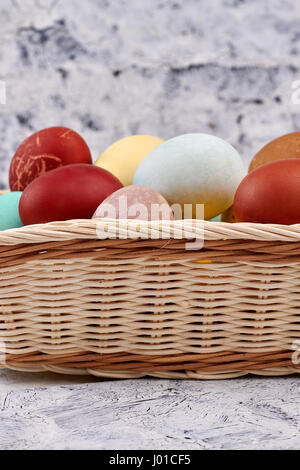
69, 192
44, 151
270, 194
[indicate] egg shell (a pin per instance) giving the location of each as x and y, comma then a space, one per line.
216, 219
44, 151
270, 194
124, 156
193, 169
9, 210
135, 202
69, 192
286, 146
229, 215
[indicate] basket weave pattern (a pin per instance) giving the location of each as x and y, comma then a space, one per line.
72, 303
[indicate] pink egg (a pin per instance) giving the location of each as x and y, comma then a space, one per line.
135, 202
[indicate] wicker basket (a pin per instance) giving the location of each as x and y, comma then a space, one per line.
73, 303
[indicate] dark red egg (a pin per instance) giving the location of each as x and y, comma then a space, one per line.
69, 192
44, 151
270, 194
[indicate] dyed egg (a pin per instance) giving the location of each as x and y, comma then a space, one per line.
229, 215
69, 192
135, 202
193, 169
286, 146
270, 194
9, 210
216, 219
124, 156
44, 151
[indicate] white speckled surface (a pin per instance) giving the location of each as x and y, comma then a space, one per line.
252, 413
109, 68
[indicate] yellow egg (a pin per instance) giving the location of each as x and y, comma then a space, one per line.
124, 156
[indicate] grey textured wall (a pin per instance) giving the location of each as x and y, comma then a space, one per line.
109, 68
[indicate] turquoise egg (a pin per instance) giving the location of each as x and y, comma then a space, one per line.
216, 219
9, 210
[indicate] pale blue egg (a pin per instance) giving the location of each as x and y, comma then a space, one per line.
9, 210
193, 169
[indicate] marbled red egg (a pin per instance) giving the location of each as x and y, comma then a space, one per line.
44, 151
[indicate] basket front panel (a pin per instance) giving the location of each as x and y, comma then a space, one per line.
128, 308
151, 307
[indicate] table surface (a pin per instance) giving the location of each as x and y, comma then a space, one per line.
48, 411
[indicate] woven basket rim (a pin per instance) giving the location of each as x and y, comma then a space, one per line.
178, 229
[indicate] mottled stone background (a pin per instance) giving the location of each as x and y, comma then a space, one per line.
109, 68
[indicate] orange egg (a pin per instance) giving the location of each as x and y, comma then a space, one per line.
286, 146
